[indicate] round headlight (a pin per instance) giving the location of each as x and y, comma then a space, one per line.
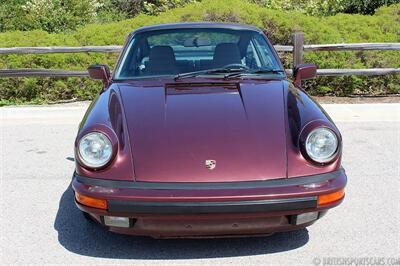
321, 145
95, 150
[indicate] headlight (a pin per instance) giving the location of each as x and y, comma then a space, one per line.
95, 150
321, 145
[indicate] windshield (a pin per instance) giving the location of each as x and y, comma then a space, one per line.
178, 51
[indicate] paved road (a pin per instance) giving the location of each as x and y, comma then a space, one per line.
40, 224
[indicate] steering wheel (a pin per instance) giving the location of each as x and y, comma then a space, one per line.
236, 66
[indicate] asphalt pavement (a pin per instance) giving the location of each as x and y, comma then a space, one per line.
40, 224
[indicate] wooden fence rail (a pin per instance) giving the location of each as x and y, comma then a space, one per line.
278, 48
87, 49
59, 49
41, 73
297, 49
352, 47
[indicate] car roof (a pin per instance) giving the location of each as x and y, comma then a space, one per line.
190, 25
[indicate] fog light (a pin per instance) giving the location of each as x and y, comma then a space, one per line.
117, 221
305, 217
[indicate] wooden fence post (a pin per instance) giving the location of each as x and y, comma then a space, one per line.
298, 48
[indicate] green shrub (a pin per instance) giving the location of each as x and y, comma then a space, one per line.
62, 16
327, 7
384, 26
309, 7
51, 16
366, 7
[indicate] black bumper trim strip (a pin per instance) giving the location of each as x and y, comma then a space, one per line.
281, 182
146, 207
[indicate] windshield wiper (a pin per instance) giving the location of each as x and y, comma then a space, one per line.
234, 69
257, 71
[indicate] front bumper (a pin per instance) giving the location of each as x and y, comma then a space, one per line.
210, 209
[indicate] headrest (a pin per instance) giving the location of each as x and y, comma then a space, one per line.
162, 60
225, 54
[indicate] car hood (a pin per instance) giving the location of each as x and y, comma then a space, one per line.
177, 129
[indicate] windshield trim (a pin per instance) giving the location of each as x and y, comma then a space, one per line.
201, 26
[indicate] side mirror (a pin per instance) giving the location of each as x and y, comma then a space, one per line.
101, 72
303, 72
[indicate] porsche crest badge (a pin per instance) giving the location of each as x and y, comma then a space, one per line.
210, 164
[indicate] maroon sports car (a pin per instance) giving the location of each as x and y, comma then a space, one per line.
199, 132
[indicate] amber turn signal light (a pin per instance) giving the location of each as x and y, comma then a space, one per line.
91, 202
331, 197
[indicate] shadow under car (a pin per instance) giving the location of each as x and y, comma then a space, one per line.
87, 238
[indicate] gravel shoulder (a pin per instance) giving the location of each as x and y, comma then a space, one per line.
357, 100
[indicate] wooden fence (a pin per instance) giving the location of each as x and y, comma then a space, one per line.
298, 48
